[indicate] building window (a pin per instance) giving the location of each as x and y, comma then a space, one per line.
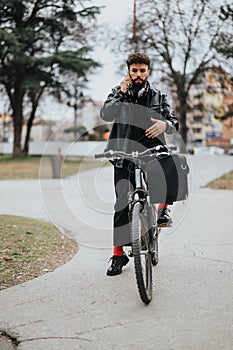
197, 130
198, 96
199, 107
197, 119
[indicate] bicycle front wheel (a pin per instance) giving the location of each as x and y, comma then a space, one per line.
141, 253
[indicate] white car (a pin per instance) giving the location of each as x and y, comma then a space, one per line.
208, 151
217, 150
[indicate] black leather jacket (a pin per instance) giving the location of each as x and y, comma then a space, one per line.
130, 112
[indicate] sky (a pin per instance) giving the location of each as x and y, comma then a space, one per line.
115, 14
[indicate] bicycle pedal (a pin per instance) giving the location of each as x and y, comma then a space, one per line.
130, 254
164, 225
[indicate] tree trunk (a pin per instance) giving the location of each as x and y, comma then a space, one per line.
35, 97
183, 130
182, 111
27, 138
18, 122
183, 126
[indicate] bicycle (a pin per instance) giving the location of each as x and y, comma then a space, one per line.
143, 217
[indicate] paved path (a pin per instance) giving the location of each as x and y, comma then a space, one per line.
78, 307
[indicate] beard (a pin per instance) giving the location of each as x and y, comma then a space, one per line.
137, 86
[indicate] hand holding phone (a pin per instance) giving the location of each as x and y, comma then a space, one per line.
126, 84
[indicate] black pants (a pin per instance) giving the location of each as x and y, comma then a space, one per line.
124, 180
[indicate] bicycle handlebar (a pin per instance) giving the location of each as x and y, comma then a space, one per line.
154, 151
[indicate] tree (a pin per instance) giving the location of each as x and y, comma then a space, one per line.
179, 37
40, 41
224, 41
71, 75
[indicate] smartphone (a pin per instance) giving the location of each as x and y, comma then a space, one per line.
130, 89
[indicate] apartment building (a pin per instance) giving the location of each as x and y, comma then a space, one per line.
210, 114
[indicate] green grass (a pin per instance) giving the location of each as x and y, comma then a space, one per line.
34, 167
30, 248
225, 182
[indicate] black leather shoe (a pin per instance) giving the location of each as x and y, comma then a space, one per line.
164, 219
117, 263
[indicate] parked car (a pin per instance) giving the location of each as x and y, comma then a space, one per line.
230, 152
208, 151
217, 150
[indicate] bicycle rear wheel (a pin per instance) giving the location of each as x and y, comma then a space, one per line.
141, 253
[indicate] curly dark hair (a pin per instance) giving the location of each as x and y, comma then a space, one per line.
138, 57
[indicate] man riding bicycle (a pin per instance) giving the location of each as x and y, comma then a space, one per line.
141, 115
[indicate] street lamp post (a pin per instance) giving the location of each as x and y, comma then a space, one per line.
134, 29
134, 22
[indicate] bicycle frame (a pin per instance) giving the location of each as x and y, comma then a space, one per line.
140, 194
140, 184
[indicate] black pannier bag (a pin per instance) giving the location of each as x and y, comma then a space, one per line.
168, 179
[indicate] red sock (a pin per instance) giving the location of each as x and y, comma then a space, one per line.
118, 251
162, 205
